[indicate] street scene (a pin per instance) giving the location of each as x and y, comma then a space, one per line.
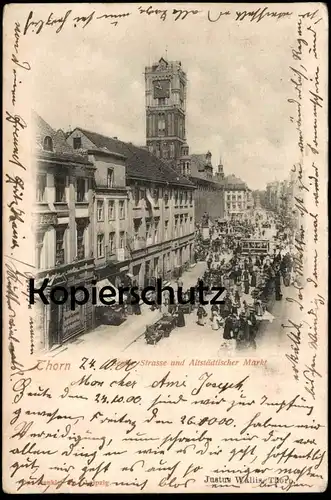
253, 259
110, 214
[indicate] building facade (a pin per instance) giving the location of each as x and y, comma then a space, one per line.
63, 216
238, 199
158, 228
165, 92
110, 210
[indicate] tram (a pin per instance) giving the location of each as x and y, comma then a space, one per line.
251, 246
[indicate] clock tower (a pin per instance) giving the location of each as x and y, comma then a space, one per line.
165, 90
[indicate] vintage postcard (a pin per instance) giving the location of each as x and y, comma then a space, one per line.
165, 234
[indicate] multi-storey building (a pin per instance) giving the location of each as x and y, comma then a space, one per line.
237, 198
273, 193
63, 217
166, 87
110, 209
158, 228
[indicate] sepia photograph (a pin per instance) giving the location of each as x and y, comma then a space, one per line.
165, 219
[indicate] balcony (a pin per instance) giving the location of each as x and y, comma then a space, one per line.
82, 209
117, 255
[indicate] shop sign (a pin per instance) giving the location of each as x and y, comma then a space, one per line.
73, 321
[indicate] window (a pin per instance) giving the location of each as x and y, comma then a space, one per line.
39, 247
191, 198
156, 232
136, 197
191, 223
100, 246
122, 239
161, 125
112, 243
176, 227
166, 198
59, 245
156, 194
111, 210
161, 101
60, 188
172, 150
166, 227
81, 189
100, 211
121, 210
148, 233
77, 143
41, 187
80, 242
48, 144
110, 174
181, 220
176, 198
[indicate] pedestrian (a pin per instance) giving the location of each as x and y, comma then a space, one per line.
228, 327
180, 316
215, 320
252, 326
136, 308
243, 333
253, 279
278, 286
201, 315
246, 282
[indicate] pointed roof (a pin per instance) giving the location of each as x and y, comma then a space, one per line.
61, 149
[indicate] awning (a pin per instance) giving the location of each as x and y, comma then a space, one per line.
106, 283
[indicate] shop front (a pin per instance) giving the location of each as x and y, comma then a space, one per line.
114, 276
56, 322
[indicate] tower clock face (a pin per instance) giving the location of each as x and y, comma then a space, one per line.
161, 89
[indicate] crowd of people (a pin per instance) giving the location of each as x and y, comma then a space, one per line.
252, 283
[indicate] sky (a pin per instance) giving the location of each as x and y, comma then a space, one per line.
238, 82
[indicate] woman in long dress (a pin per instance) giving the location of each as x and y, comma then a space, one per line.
201, 315
253, 279
165, 306
228, 327
215, 320
278, 286
246, 282
180, 316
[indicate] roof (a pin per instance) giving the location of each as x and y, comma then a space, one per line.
206, 182
200, 161
232, 180
140, 164
62, 151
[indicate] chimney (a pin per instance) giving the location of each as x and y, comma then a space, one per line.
115, 138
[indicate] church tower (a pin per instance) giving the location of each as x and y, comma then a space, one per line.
220, 172
165, 90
